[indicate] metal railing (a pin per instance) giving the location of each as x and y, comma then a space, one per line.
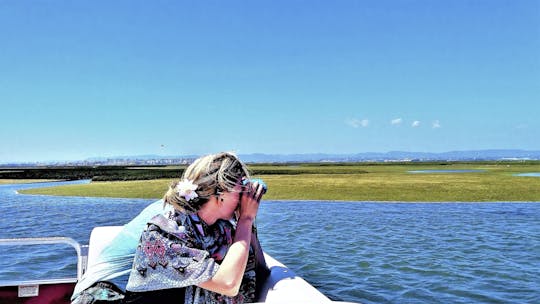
82, 255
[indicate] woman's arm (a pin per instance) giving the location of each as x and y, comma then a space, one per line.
231, 271
229, 276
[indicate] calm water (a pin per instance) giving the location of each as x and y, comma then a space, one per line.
360, 252
529, 174
448, 171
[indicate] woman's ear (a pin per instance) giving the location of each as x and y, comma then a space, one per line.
219, 199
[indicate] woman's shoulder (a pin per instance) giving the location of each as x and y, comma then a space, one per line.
173, 223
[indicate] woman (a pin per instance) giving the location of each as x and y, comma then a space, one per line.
205, 249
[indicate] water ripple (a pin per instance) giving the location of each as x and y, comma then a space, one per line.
412, 253
359, 252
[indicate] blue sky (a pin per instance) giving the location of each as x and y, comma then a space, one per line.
83, 79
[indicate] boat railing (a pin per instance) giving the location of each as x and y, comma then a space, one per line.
282, 286
82, 258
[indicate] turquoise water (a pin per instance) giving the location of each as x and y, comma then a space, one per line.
530, 174
352, 251
447, 171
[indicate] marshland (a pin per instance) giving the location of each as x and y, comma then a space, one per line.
400, 181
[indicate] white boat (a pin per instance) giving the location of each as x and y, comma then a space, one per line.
282, 286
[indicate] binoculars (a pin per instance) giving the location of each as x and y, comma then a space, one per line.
246, 182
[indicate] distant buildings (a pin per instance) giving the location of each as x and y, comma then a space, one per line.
107, 162
393, 156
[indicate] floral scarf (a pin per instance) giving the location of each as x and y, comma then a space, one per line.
180, 251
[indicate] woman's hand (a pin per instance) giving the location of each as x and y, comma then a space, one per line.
229, 276
250, 199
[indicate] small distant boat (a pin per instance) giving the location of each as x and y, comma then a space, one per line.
282, 286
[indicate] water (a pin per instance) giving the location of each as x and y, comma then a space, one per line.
447, 171
530, 174
359, 252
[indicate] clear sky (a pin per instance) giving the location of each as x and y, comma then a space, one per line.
83, 79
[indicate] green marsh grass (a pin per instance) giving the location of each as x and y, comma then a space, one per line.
357, 182
25, 181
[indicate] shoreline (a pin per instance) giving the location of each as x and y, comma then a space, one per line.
27, 181
317, 200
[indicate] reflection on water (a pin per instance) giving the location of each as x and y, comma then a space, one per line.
359, 252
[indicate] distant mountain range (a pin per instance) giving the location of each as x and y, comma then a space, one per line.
471, 155
366, 156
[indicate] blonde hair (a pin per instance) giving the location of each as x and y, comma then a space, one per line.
212, 174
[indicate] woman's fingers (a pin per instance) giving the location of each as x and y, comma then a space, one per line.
256, 191
249, 203
259, 193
